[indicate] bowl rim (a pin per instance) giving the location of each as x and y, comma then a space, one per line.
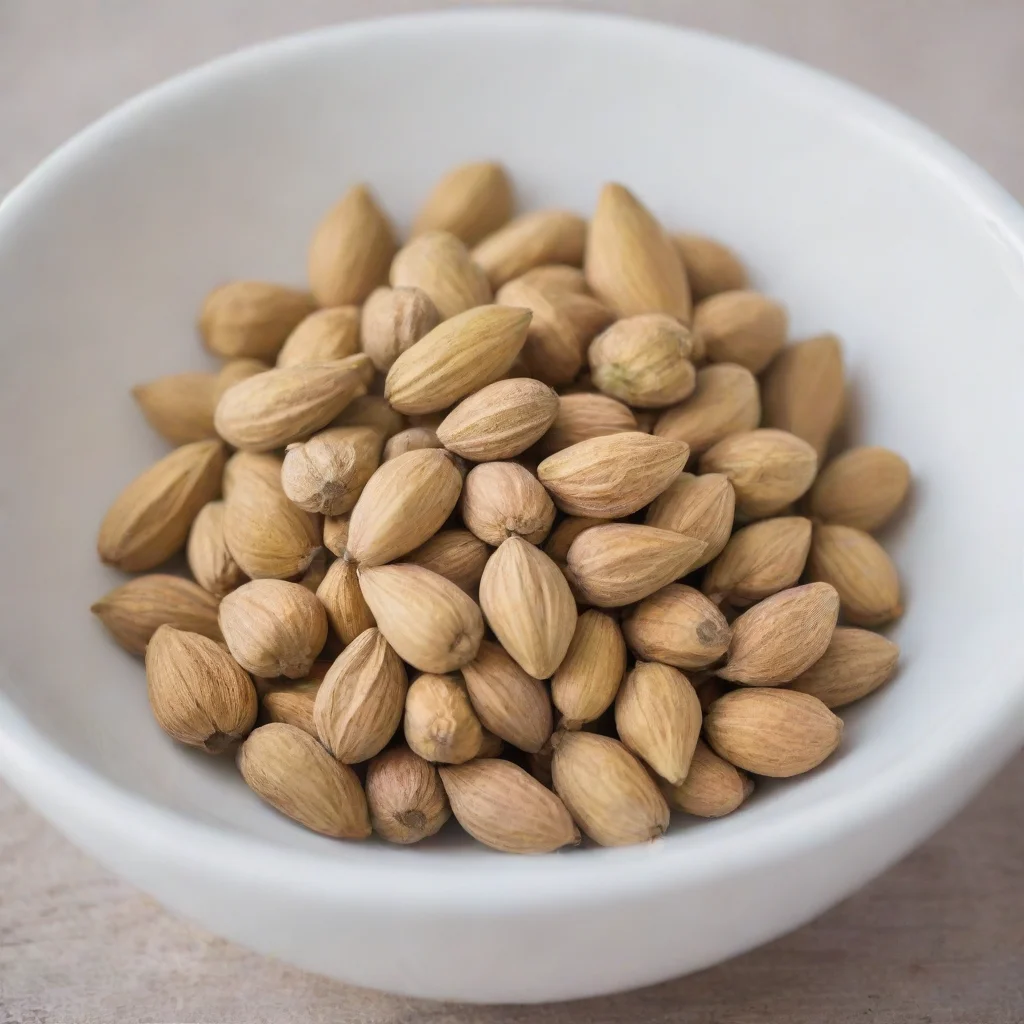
34, 764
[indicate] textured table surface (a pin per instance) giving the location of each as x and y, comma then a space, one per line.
939, 939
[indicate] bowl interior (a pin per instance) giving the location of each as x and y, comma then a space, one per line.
860, 222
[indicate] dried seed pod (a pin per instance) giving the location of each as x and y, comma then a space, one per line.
292, 705
712, 787
455, 554
857, 662
314, 575
508, 702
456, 358
606, 789
619, 563
558, 543
412, 439
782, 636
769, 469
583, 416
273, 628
725, 401
500, 805
393, 320
266, 534
743, 327
336, 534
612, 476
500, 421
471, 201
280, 406
778, 733
179, 407
134, 611
407, 801
404, 503
631, 263
198, 694
439, 265
861, 488
371, 411
492, 746
295, 775
440, 723
150, 519
501, 500
351, 250
343, 600
658, 717
207, 552
858, 567
588, 678
532, 240
235, 371
644, 361
759, 560
697, 506
678, 626
529, 606
360, 704
251, 319
804, 390
323, 337
710, 266
557, 279
327, 473
432, 624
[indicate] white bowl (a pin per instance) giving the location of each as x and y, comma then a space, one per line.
858, 219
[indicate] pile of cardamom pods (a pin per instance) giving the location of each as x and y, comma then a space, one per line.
534, 521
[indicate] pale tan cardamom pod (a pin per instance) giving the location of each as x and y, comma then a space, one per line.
134, 611
500, 421
582, 416
769, 469
531, 240
804, 390
759, 560
295, 775
612, 476
360, 704
393, 320
197, 692
407, 801
619, 563
644, 360
658, 716
440, 266
606, 789
234, 371
314, 575
207, 552
587, 680
699, 506
678, 626
351, 250
710, 266
150, 519
503, 807
509, 702
556, 547
503, 499
857, 662
743, 327
433, 624
404, 503
327, 473
528, 605
343, 600
412, 439
777, 733
455, 554
292, 705
179, 407
631, 263
858, 567
371, 411
861, 488
471, 201
273, 628
336, 534
251, 319
557, 279
781, 636
323, 337
440, 723
712, 787
725, 401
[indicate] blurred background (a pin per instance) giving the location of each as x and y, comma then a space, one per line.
938, 939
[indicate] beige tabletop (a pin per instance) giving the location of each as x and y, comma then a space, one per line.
939, 939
